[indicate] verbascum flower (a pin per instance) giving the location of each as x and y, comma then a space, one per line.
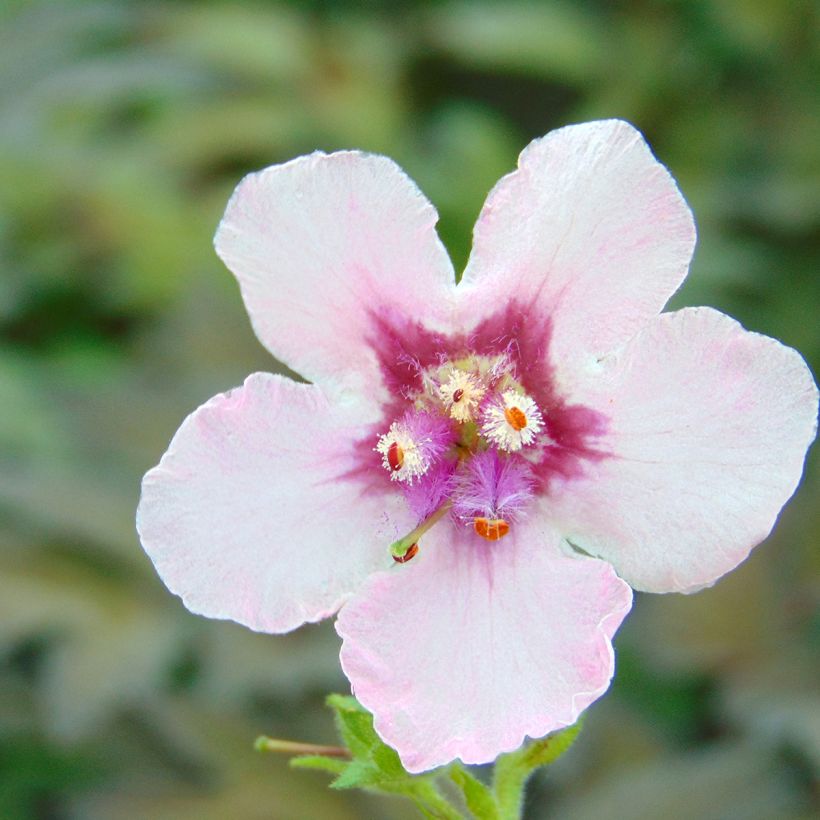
476, 473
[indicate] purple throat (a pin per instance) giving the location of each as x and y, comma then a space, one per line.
474, 429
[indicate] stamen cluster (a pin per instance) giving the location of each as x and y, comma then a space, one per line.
465, 446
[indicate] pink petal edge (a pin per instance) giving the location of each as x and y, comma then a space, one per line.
404, 640
246, 517
322, 243
590, 230
709, 427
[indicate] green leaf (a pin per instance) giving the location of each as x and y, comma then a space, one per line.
360, 774
478, 797
355, 725
387, 761
550, 748
513, 770
334, 765
377, 767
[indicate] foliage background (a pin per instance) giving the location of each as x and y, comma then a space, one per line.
124, 126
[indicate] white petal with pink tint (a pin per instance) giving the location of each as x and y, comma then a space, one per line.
319, 243
246, 517
709, 426
591, 230
473, 645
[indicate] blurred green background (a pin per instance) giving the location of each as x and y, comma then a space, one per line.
124, 126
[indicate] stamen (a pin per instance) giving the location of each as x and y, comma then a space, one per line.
411, 553
395, 456
512, 421
403, 456
461, 394
491, 528
492, 491
515, 418
401, 547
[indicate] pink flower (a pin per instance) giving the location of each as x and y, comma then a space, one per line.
541, 404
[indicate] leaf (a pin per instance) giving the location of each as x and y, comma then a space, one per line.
478, 797
387, 761
549, 749
328, 764
377, 767
513, 770
355, 725
360, 774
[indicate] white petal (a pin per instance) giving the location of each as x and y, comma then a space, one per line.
253, 515
321, 245
591, 230
473, 645
709, 426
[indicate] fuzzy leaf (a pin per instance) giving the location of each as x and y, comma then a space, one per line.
360, 774
355, 725
328, 764
550, 748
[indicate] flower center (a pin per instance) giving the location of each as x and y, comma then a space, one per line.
464, 449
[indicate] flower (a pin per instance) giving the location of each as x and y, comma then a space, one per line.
477, 473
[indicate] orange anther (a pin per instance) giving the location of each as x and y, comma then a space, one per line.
395, 456
411, 552
491, 528
515, 418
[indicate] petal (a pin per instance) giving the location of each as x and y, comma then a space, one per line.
321, 245
473, 645
591, 230
709, 426
248, 516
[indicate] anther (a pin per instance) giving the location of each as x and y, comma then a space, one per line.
411, 553
515, 418
395, 456
461, 394
512, 421
491, 528
410, 543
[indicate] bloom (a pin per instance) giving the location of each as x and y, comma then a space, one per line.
595, 441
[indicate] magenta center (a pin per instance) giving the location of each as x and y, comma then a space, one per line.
475, 428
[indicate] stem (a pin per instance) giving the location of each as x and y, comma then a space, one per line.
400, 547
509, 779
291, 747
513, 770
427, 797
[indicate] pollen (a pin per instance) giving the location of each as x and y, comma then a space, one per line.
515, 418
460, 394
401, 454
491, 528
513, 421
395, 456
